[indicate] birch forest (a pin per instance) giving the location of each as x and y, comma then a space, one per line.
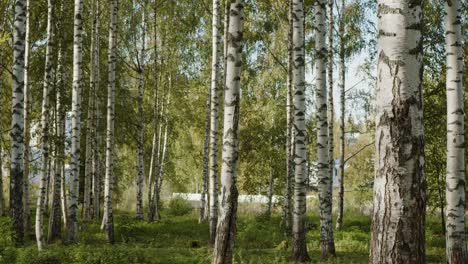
233, 131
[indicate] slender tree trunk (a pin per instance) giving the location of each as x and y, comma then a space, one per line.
226, 228
287, 210
141, 164
27, 127
87, 191
270, 191
206, 151
55, 224
60, 91
2, 196
455, 180
48, 179
97, 116
327, 245
398, 222
155, 149
47, 88
72, 223
441, 201
331, 111
108, 214
299, 245
17, 122
214, 116
342, 73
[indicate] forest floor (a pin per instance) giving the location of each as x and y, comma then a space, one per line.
181, 239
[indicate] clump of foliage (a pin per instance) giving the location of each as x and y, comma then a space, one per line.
179, 207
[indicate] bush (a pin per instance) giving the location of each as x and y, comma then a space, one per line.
6, 231
179, 207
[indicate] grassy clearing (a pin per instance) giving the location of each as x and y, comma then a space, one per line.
180, 239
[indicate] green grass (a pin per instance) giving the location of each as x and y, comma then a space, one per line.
180, 239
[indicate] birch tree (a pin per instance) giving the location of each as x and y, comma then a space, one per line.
327, 245
108, 220
55, 226
47, 87
331, 111
398, 225
206, 152
214, 116
341, 84
17, 124
96, 172
2, 195
90, 122
299, 245
141, 80
455, 181
154, 164
27, 125
226, 228
72, 224
288, 203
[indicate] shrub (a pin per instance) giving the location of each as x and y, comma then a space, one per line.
179, 207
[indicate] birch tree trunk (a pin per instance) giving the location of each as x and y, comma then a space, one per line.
299, 245
155, 149
27, 127
398, 225
455, 181
17, 123
72, 223
96, 173
288, 203
55, 224
2, 195
342, 76
206, 152
214, 116
331, 111
327, 245
48, 84
226, 228
141, 80
112, 59
60, 91
87, 192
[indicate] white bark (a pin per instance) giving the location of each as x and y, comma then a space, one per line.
17, 124
398, 226
327, 245
72, 223
47, 87
112, 58
140, 158
226, 228
27, 126
455, 181
299, 245
214, 116
342, 76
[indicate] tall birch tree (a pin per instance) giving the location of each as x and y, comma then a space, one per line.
398, 222
226, 228
72, 224
341, 84
455, 181
27, 124
46, 93
299, 245
288, 203
17, 124
108, 220
327, 245
214, 116
141, 81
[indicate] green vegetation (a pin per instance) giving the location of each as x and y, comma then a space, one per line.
181, 239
